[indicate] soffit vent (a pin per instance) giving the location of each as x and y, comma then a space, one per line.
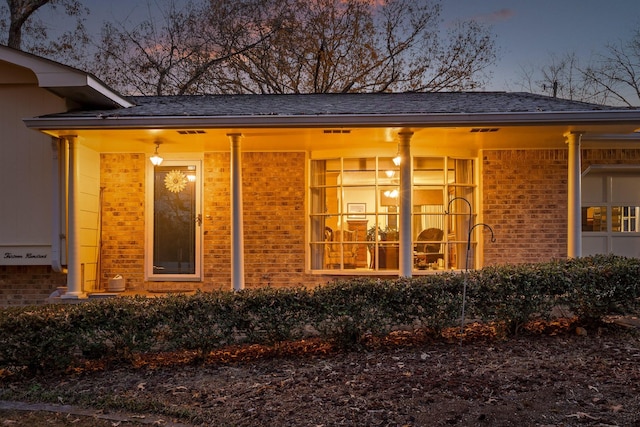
331, 131
191, 132
483, 130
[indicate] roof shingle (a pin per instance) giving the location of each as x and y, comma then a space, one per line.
342, 104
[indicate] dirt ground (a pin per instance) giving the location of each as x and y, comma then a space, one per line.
553, 378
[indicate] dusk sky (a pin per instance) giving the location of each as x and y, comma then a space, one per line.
528, 31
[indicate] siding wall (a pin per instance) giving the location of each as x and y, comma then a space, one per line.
89, 201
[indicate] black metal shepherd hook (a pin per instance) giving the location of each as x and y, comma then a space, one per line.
466, 263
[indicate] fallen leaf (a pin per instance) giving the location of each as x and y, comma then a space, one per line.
581, 415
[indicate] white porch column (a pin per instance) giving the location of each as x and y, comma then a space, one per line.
74, 267
406, 197
574, 196
237, 220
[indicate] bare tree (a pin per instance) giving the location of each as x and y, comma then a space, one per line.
615, 75
25, 30
562, 77
612, 77
180, 55
295, 46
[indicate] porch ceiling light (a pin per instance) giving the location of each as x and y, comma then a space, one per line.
156, 159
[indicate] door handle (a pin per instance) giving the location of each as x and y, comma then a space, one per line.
199, 219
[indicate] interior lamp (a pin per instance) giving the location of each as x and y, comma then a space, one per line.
156, 159
397, 160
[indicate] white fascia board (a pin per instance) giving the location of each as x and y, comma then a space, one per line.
60, 78
611, 137
627, 168
105, 91
354, 120
52, 75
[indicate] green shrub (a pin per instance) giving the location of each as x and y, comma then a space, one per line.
602, 285
54, 337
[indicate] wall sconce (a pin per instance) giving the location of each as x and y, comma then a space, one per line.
156, 159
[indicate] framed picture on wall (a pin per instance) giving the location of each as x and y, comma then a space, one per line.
356, 210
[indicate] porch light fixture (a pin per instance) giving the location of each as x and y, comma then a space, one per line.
156, 159
396, 160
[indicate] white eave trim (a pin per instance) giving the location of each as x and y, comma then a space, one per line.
53, 75
356, 120
612, 169
99, 87
631, 137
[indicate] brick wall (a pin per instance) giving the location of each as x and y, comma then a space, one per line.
123, 179
274, 187
609, 157
217, 222
28, 285
274, 215
524, 198
274, 221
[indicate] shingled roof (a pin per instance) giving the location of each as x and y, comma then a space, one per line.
342, 104
356, 110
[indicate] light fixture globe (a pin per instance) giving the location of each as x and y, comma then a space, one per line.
156, 159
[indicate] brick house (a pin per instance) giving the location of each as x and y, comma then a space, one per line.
296, 190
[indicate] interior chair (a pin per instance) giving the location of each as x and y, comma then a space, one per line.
430, 251
341, 249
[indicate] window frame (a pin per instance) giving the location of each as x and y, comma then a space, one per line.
449, 186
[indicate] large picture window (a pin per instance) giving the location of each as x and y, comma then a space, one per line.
354, 213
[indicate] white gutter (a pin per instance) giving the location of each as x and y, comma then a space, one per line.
353, 120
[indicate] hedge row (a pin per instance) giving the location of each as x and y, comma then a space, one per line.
53, 337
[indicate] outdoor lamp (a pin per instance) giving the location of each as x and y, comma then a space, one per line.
156, 159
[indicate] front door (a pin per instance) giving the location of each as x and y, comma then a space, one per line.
176, 222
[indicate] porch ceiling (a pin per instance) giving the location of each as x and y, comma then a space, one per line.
465, 140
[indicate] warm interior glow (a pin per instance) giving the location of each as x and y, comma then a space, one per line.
397, 160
